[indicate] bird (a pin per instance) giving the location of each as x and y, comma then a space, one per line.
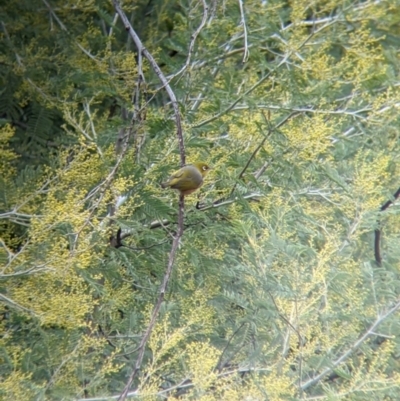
188, 179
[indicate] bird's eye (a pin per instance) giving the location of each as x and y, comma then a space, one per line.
205, 168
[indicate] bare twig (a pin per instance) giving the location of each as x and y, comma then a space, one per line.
219, 364
193, 40
217, 204
199, 97
32, 270
102, 187
378, 231
162, 291
142, 50
161, 76
113, 24
184, 384
286, 320
243, 23
65, 360
246, 93
117, 243
261, 171
282, 122
284, 60
13, 304
370, 332
352, 113
64, 28
230, 201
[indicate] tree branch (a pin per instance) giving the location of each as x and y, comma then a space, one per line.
243, 22
143, 51
13, 304
284, 60
353, 348
219, 366
282, 122
162, 291
193, 40
161, 76
378, 231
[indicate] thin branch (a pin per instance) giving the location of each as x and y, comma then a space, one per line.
258, 83
282, 122
193, 40
142, 50
378, 231
113, 24
184, 384
243, 23
15, 305
162, 291
54, 15
312, 23
22, 216
352, 113
219, 364
354, 347
102, 187
116, 242
233, 104
139, 112
216, 204
107, 181
261, 171
161, 76
14, 212
377, 247
32, 270
287, 321
64, 28
262, 143
199, 97
228, 45
65, 360
86, 108
228, 202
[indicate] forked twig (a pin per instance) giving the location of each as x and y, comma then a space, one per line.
161, 76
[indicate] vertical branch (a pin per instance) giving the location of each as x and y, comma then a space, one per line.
377, 242
193, 38
162, 291
243, 22
142, 50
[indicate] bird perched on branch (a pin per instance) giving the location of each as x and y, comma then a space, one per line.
188, 178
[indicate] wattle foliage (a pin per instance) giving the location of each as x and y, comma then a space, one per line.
275, 293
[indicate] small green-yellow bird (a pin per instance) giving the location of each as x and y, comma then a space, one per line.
188, 178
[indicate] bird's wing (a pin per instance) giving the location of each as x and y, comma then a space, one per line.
176, 175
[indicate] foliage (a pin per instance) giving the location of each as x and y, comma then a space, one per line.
275, 293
